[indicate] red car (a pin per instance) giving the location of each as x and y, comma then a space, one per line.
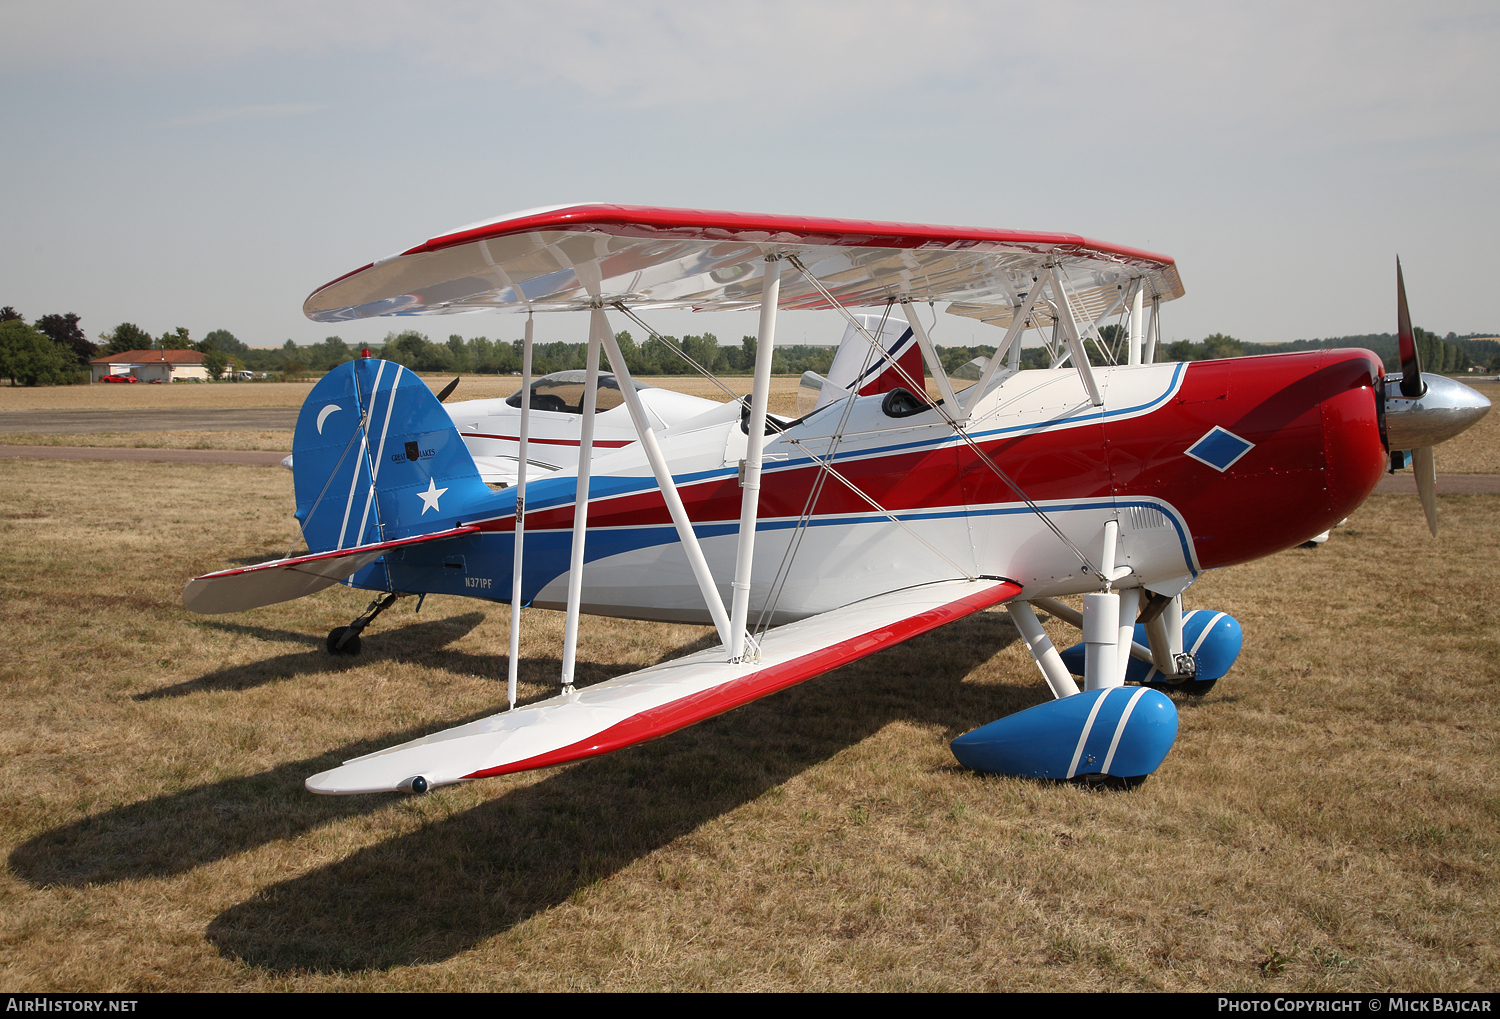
119, 378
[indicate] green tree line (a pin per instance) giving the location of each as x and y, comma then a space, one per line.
1451, 353
51, 351
666, 356
54, 350
482, 356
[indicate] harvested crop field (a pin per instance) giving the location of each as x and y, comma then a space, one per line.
1328, 820
144, 396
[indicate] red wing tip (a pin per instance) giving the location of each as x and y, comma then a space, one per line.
339, 279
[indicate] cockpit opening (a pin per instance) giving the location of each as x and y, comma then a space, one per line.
562, 392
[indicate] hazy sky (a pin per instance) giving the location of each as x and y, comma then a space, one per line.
209, 164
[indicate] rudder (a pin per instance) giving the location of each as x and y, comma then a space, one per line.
376, 458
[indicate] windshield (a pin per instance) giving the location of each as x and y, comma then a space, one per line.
562, 392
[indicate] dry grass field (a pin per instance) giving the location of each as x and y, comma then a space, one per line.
144, 396
1476, 451
211, 395
240, 396
1329, 818
270, 438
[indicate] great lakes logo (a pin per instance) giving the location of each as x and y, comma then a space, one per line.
413, 453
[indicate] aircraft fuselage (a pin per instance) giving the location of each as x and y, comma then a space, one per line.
1204, 464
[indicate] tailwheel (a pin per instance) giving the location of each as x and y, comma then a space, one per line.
342, 642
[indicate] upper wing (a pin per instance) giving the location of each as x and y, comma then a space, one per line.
284, 579
565, 258
664, 698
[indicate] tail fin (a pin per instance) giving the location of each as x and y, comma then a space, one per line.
376, 458
855, 366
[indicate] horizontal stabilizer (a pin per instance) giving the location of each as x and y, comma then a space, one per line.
284, 579
664, 698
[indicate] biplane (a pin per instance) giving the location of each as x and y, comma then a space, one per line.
900, 501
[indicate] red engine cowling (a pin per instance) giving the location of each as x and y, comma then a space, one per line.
1311, 422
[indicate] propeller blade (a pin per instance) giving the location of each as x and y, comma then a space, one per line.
450, 387
1424, 466
1406, 343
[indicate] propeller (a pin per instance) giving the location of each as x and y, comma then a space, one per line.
1412, 386
1424, 466
1423, 462
450, 387
1425, 410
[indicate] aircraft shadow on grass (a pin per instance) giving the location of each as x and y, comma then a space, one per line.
173, 834
437, 892
424, 643
440, 891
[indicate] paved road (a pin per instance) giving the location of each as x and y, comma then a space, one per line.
245, 457
79, 422
1447, 484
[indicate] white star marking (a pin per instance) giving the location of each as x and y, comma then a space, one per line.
430, 497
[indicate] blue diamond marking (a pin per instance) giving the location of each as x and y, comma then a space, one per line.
1220, 449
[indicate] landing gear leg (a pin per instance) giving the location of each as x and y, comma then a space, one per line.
1162, 617
344, 640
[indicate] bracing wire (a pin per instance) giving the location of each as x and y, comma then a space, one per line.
969, 441
675, 349
359, 430
804, 519
879, 508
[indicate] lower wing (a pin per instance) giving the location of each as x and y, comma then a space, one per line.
664, 698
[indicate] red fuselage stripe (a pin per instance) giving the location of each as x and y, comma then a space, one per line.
1311, 416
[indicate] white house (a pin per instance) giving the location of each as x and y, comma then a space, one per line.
150, 365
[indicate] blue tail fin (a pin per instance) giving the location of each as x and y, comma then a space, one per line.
376, 458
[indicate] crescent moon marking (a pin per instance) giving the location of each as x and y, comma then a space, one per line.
323, 415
